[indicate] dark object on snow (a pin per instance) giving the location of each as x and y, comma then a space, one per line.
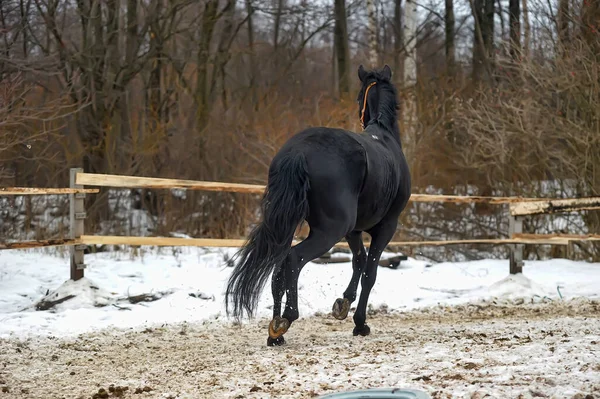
46, 304
144, 298
323, 260
343, 184
393, 262
379, 393
201, 295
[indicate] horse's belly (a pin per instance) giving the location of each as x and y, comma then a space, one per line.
373, 206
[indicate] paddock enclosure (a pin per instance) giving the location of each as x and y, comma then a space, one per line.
519, 208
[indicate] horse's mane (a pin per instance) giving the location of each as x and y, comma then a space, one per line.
388, 100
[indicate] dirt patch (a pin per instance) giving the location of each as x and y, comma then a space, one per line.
543, 350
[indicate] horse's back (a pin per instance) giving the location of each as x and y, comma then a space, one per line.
333, 157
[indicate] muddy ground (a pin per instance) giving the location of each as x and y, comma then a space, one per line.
544, 350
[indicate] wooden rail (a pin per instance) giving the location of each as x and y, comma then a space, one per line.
567, 237
45, 191
233, 243
118, 181
90, 179
539, 239
39, 243
554, 206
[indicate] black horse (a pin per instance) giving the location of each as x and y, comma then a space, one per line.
342, 183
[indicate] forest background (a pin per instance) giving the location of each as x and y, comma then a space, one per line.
498, 97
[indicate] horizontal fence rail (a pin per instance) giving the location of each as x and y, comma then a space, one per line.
211, 242
565, 237
554, 206
39, 243
118, 181
46, 191
537, 239
90, 179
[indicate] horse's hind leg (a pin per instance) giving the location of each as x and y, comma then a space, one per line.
381, 236
277, 289
359, 260
316, 244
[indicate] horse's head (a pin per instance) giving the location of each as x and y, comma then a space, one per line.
369, 94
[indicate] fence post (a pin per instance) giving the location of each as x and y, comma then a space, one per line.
571, 250
515, 225
77, 217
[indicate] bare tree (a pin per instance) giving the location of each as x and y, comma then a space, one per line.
450, 33
372, 33
409, 111
563, 22
526, 29
483, 38
342, 50
277, 29
398, 39
514, 11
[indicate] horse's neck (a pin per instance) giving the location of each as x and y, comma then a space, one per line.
385, 124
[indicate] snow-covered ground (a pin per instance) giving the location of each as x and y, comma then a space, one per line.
191, 282
454, 330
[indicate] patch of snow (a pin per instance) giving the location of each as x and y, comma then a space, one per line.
517, 287
192, 282
84, 293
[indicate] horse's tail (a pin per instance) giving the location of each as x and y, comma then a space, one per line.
284, 206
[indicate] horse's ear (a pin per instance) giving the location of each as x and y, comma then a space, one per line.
362, 74
387, 72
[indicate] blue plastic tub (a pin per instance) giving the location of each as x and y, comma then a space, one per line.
379, 393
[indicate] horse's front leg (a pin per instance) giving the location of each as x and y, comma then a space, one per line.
381, 236
341, 307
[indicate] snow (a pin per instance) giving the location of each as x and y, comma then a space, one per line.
460, 330
190, 283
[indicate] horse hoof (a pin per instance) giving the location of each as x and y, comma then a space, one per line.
278, 326
275, 341
340, 308
362, 330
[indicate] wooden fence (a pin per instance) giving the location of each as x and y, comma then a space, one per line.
78, 241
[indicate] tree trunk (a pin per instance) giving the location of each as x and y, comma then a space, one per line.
481, 42
341, 48
450, 47
372, 30
409, 112
223, 54
478, 44
563, 23
487, 29
131, 46
515, 29
590, 26
24, 18
209, 18
251, 57
526, 29
397, 39
276, 29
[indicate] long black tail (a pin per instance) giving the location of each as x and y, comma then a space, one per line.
284, 206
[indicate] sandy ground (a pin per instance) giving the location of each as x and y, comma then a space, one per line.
543, 350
